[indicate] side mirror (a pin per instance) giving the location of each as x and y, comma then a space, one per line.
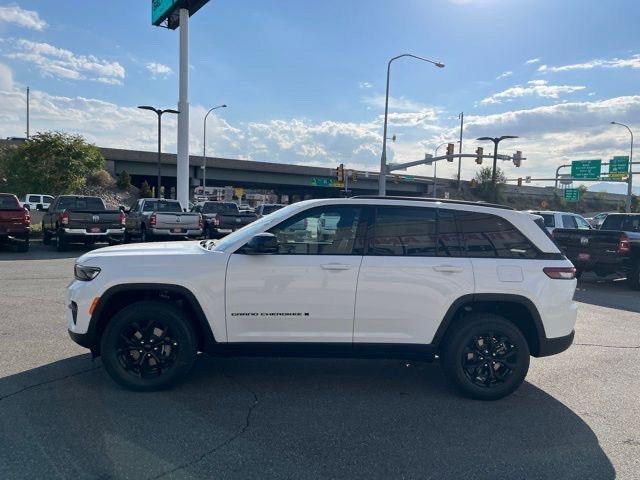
262, 243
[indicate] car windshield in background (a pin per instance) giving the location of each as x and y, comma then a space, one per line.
80, 203
222, 208
9, 202
160, 206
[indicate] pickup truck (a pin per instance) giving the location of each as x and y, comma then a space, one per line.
613, 249
153, 218
81, 219
222, 218
14, 222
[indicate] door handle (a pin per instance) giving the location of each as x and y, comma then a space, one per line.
448, 268
335, 266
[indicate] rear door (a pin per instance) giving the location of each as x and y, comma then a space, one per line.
413, 270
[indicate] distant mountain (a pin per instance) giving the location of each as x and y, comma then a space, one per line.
611, 187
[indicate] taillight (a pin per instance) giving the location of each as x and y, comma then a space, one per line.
560, 273
64, 218
215, 220
27, 218
152, 220
623, 244
200, 221
123, 218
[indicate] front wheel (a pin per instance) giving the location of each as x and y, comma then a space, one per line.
148, 346
486, 357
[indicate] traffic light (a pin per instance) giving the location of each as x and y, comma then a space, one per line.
354, 176
479, 153
340, 173
396, 179
519, 181
517, 158
450, 147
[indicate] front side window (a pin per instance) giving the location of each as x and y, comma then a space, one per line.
582, 223
47, 199
490, 236
402, 231
328, 230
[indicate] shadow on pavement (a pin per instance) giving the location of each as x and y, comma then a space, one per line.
285, 418
607, 292
38, 251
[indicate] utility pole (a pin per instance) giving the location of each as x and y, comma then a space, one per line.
461, 117
630, 178
204, 148
27, 113
182, 167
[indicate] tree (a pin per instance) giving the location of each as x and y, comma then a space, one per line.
145, 190
52, 162
484, 188
124, 180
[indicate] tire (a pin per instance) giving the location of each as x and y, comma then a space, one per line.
578, 274
46, 236
62, 243
133, 330
144, 236
126, 238
480, 380
23, 246
633, 277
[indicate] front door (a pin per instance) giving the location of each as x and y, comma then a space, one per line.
305, 292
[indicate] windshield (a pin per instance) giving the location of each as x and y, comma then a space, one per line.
160, 206
223, 208
9, 202
255, 227
80, 203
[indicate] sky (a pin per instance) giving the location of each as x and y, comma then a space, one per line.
304, 81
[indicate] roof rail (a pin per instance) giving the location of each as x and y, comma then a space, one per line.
442, 200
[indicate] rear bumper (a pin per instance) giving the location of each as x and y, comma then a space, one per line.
15, 235
166, 232
551, 346
116, 233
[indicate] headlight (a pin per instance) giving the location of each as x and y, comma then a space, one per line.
84, 273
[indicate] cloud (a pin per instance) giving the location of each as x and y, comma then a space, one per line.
504, 75
24, 18
536, 88
630, 62
395, 103
6, 77
365, 85
57, 62
158, 70
531, 61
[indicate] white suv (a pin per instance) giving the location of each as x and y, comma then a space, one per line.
480, 287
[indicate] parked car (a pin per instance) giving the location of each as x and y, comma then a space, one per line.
553, 220
152, 218
596, 220
612, 249
15, 222
267, 208
81, 219
482, 287
37, 201
222, 218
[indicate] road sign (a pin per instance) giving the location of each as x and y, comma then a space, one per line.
619, 167
325, 182
572, 194
586, 169
161, 9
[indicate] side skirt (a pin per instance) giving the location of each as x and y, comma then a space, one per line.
326, 350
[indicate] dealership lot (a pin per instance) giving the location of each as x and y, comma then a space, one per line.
577, 415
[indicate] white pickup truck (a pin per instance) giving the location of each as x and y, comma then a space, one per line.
480, 287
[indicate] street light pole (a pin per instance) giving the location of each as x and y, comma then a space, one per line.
461, 116
159, 113
382, 180
496, 141
204, 147
630, 178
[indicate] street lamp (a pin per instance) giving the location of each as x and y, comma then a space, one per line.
496, 141
382, 186
204, 146
630, 179
159, 113
435, 167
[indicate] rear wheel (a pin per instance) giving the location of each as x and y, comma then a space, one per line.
145, 236
46, 236
486, 357
23, 246
61, 241
633, 277
148, 346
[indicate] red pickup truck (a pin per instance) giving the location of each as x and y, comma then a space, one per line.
15, 222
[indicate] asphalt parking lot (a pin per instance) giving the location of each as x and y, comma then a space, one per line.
576, 416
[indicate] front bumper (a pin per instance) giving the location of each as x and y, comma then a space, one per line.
552, 346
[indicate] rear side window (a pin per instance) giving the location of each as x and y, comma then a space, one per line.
549, 219
490, 236
9, 202
401, 231
33, 199
569, 221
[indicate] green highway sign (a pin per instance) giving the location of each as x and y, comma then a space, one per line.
586, 169
572, 194
324, 182
161, 9
619, 167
